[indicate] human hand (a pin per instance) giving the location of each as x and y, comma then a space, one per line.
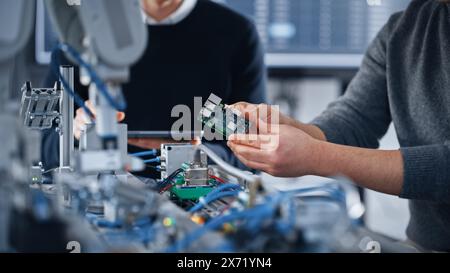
290, 152
81, 119
270, 117
269, 114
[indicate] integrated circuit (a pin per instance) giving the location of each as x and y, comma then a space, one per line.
223, 120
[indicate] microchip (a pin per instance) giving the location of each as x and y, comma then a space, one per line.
222, 120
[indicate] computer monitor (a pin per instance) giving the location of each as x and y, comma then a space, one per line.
317, 33
295, 33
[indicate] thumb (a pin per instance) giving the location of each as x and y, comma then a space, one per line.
268, 128
120, 116
243, 107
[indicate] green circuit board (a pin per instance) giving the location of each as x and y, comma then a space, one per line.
183, 192
222, 120
189, 193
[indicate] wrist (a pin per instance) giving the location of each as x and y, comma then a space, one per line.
320, 158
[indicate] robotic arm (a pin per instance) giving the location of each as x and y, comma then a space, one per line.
16, 27
110, 36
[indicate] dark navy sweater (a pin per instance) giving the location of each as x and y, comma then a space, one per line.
214, 49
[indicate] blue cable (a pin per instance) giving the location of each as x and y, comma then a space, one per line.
225, 187
256, 212
145, 153
195, 235
101, 222
216, 223
209, 199
119, 106
254, 217
142, 231
220, 195
153, 160
267, 211
211, 195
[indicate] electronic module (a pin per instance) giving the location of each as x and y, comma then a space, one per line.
223, 120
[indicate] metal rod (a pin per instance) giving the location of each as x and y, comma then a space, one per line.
66, 107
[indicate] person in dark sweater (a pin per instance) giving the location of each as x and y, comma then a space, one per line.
195, 47
404, 79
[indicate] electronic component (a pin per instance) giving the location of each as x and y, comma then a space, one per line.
197, 171
36, 174
182, 191
173, 156
225, 121
192, 180
38, 109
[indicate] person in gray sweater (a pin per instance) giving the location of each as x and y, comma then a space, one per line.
404, 79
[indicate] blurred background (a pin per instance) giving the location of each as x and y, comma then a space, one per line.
313, 49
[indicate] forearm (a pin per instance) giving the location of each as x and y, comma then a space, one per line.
312, 130
374, 169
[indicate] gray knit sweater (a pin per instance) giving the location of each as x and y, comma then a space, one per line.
405, 79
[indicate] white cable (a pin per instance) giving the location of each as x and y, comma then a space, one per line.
227, 167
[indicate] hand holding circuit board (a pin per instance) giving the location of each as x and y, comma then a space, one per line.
242, 118
225, 121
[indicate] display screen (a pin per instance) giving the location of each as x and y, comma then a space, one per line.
295, 33
324, 33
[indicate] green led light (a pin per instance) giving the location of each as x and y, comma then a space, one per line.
168, 222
